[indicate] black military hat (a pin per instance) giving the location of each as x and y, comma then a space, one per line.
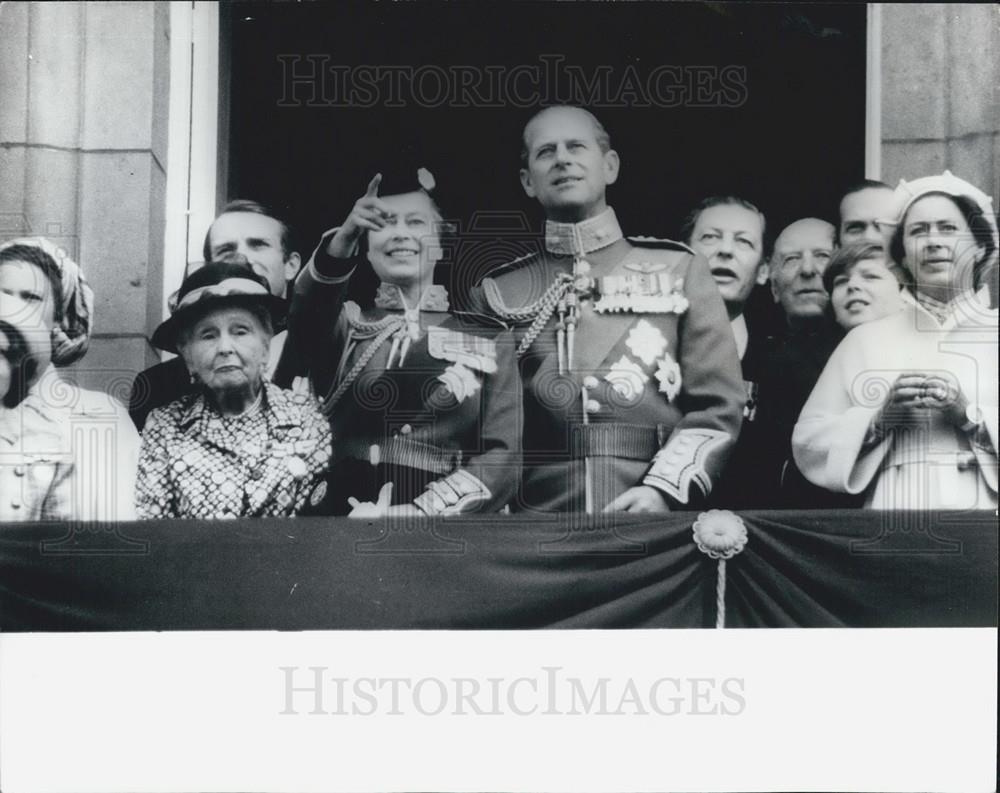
399, 178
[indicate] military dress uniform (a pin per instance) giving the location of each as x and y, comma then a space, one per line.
417, 398
629, 367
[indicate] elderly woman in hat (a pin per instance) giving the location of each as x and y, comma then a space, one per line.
906, 408
424, 406
239, 445
63, 430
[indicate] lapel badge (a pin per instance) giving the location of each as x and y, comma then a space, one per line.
646, 342
750, 408
669, 375
627, 379
318, 493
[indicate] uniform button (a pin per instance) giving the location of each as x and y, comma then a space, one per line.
601, 234
15, 504
582, 267
590, 382
180, 466
257, 472
227, 488
218, 478
18, 470
406, 429
593, 406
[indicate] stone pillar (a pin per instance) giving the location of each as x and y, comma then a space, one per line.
83, 139
940, 87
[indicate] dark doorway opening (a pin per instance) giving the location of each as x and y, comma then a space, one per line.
765, 101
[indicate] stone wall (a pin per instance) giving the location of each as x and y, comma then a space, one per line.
83, 138
940, 84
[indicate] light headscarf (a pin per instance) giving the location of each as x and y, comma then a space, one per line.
71, 335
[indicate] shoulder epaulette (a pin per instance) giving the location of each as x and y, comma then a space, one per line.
661, 243
515, 264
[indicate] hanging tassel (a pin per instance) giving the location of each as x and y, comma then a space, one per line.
720, 534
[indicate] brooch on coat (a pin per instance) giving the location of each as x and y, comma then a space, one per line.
460, 381
644, 292
668, 373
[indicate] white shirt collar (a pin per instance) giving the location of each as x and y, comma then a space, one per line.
742, 334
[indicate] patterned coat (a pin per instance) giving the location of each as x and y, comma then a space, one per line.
443, 427
195, 463
653, 394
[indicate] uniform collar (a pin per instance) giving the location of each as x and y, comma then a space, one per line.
579, 239
434, 299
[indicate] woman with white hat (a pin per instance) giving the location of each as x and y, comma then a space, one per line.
906, 408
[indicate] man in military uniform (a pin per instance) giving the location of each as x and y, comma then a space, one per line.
632, 388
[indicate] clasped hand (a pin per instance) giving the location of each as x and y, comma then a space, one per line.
914, 393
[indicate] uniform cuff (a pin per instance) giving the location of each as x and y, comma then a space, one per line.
456, 493
683, 462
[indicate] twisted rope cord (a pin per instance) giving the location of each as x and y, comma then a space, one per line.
391, 327
720, 595
541, 309
720, 534
549, 301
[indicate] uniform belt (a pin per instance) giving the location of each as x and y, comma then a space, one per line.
405, 453
614, 439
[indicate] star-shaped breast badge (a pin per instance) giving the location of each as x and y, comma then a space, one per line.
646, 342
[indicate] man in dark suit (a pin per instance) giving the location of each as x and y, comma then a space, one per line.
729, 232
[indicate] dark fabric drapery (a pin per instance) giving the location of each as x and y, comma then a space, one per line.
805, 569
